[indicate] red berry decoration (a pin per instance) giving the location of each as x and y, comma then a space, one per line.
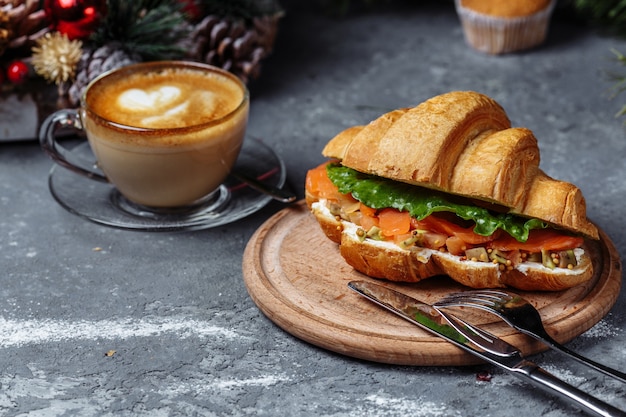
77, 19
17, 72
191, 9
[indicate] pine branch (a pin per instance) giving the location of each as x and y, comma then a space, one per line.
150, 28
619, 80
609, 15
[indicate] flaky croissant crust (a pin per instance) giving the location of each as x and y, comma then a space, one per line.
462, 143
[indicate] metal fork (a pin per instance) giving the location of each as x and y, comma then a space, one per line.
512, 361
521, 315
481, 344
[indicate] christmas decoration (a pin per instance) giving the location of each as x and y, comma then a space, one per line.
609, 15
17, 72
191, 9
22, 22
55, 57
70, 42
619, 80
234, 45
152, 29
75, 18
131, 32
235, 35
94, 62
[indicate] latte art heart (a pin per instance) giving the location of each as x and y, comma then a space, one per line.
168, 99
162, 98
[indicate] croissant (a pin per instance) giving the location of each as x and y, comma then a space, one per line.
459, 145
462, 143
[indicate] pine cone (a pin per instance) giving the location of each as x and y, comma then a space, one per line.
234, 45
22, 22
95, 62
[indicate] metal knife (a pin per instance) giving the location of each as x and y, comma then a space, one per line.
481, 344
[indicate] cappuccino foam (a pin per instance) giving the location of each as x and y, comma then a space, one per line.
168, 98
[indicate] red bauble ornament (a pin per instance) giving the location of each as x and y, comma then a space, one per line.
17, 72
77, 19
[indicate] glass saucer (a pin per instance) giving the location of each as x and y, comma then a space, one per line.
101, 203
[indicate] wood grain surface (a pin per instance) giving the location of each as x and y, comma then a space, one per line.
298, 279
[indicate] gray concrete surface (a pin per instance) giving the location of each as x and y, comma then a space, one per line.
184, 337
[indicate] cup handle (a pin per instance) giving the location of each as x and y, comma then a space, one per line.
65, 118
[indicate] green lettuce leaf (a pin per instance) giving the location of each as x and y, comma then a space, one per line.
378, 193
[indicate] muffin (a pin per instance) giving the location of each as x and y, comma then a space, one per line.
502, 26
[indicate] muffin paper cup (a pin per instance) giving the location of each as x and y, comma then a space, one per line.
499, 35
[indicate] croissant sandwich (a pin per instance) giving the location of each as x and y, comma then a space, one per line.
450, 188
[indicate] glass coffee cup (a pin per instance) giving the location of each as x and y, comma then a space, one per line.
165, 134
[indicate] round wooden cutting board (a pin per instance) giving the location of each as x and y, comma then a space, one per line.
298, 279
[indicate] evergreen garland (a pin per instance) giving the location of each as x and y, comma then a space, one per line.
619, 80
607, 15
150, 28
